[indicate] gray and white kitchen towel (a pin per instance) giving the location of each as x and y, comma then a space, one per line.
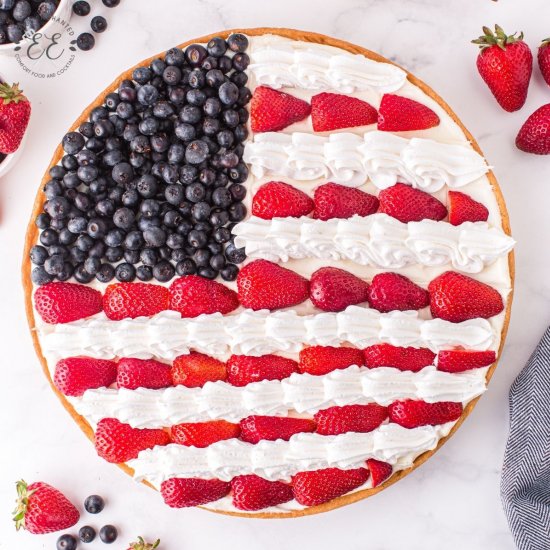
525, 484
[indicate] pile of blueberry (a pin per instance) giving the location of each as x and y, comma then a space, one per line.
86, 41
151, 185
94, 504
20, 16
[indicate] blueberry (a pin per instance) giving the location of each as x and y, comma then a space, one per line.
123, 173
86, 158
113, 157
196, 152
175, 56
124, 217
133, 241
92, 265
81, 7
98, 24
219, 218
113, 253
108, 533
239, 78
21, 10
190, 114
224, 64
111, 3
216, 47
98, 250
144, 273
42, 221
174, 194
186, 267
115, 237
184, 131
155, 236
170, 173
85, 41
158, 66
202, 257
188, 173
142, 75
176, 95
125, 273
66, 542
87, 534
87, 173
66, 236
197, 239
231, 118
175, 241
197, 78
40, 277
196, 97
184, 228
46, 9
148, 256
76, 255
38, 255
171, 75
57, 207
97, 227
229, 272
195, 54
172, 218
237, 212
176, 153
163, 271
241, 61
54, 264
81, 275
160, 143
211, 126
147, 95
15, 33
237, 42
66, 273
147, 186
235, 255
53, 188
72, 143
149, 208
207, 272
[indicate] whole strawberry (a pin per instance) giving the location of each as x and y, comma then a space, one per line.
15, 112
534, 135
505, 63
543, 58
140, 544
41, 509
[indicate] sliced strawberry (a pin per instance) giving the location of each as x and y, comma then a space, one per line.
195, 369
143, 373
339, 201
131, 300
407, 204
334, 111
319, 486
412, 414
117, 442
203, 434
350, 418
405, 359
271, 110
66, 302
244, 369
193, 295
391, 291
276, 199
333, 289
266, 285
74, 375
379, 471
185, 492
319, 360
401, 114
257, 428
460, 360
252, 492
462, 208
456, 297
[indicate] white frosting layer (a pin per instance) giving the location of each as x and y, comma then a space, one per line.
303, 393
279, 460
281, 63
380, 157
377, 240
255, 333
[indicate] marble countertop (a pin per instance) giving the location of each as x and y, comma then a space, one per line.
453, 500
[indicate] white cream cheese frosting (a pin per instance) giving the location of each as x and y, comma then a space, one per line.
378, 240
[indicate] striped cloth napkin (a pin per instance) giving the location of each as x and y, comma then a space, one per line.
525, 484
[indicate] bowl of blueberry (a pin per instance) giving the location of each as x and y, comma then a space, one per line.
21, 19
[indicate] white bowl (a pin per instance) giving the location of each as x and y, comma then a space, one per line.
63, 12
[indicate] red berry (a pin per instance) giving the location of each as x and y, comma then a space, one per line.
15, 112
319, 360
462, 208
379, 471
407, 204
460, 360
184, 492
271, 110
203, 434
534, 135
400, 114
543, 57
333, 289
195, 369
143, 373
405, 359
339, 201
392, 291
131, 300
413, 414
334, 111
244, 369
74, 375
251, 492
276, 199
350, 418
257, 428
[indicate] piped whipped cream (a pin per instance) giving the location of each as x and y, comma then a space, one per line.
303, 393
351, 160
255, 333
279, 63
377, 240
280, 460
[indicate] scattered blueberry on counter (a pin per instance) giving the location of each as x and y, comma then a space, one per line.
86, 534
66, 542
151, 185
94, 504
108, 534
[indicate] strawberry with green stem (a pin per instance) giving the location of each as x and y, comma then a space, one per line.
15, 112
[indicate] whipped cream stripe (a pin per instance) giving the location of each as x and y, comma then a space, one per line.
279, 460
289, 63
376, 240
167, 335
303, 393
351, 160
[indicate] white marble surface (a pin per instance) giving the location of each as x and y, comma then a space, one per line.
452, 502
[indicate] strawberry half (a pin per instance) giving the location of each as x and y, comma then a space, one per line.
194, 295
319, 486
244, 369
334, 111
257, 428
15, 112
66, 302
143, 373
319, 360
391, 291
276, 199
74, 375
185, 492
413, 414
195, 369
543, 57
407, 204
339, 201
42, 509
251, 492
350, 418
266, 285
379, 471
534, 135
203, 434
456, 297
131, 300
401, 114
505, 63
272, 110
117, 442
405, 359
462, 208
460, 360
333, 289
